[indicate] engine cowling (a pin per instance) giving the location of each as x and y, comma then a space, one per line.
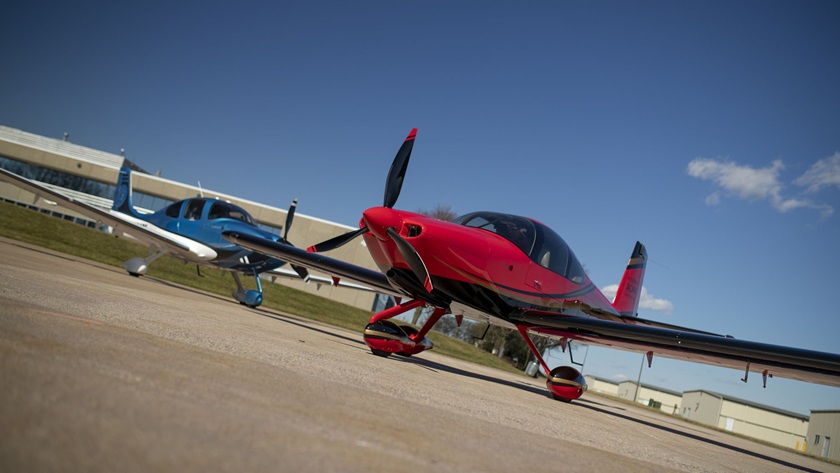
565, 383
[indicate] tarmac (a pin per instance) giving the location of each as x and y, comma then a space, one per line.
103, 372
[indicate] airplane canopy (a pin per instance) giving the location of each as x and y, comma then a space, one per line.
540, 243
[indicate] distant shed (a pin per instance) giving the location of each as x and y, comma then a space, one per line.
601, 385
666, 400
824, 434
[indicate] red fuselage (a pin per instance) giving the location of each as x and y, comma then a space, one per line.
472, 263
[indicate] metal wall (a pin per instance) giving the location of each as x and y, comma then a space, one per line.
826, 425
787, 429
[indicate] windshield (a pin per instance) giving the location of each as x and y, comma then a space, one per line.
540, 243
519, 231
227, 210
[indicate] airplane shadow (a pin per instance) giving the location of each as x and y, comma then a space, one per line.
435, 366
307, 325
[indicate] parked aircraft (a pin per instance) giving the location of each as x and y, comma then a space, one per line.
190, 230
518, 272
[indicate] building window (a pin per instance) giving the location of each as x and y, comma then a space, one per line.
56, 178
816, 439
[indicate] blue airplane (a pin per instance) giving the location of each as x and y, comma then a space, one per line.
189, 230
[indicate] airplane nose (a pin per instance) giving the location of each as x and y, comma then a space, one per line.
379, 219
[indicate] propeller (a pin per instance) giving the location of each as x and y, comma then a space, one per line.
335, 242
290, 216
393, 185
397, 172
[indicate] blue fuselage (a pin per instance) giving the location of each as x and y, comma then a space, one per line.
204, 219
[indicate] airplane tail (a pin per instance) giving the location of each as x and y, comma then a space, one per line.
122, 195
630, 289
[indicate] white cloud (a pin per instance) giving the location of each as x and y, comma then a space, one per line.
744, 181
823, 173
646, 302
753, 184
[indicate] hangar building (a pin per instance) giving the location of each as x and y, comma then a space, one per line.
601, 385
89, 175
777, 426
758, 421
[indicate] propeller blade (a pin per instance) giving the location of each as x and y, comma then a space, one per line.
397, 171
335, 242
302, 272
415, 262
290, 216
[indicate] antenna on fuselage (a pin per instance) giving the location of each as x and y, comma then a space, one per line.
200, 191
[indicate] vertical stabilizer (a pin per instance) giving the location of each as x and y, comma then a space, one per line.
122, 196
630, 289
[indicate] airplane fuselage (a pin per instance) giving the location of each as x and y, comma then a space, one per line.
492, 262
202, 221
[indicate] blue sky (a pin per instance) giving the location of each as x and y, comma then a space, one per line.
710, 131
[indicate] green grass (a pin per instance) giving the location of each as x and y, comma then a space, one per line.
49, 232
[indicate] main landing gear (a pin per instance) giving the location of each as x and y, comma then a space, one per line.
564, 382
385, 337
138, 266
248, 297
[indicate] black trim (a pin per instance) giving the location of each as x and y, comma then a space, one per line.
672, 342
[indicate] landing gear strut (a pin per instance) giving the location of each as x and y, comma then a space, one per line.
384, 337
564, 382
138, 266
248, 297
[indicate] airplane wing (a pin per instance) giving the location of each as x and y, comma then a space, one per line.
291, 274
149, 234
608, 330
681, 343
373, 280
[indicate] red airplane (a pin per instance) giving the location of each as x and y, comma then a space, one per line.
515, 271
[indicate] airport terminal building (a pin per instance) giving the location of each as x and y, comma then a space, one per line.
90, 175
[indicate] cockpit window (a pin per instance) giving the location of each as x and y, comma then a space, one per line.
540, 243
553, 253
194, 209
222, 209
174, 210
519, 231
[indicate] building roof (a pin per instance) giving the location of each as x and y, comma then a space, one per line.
66, 148
655, 388
605, 380
752, 404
